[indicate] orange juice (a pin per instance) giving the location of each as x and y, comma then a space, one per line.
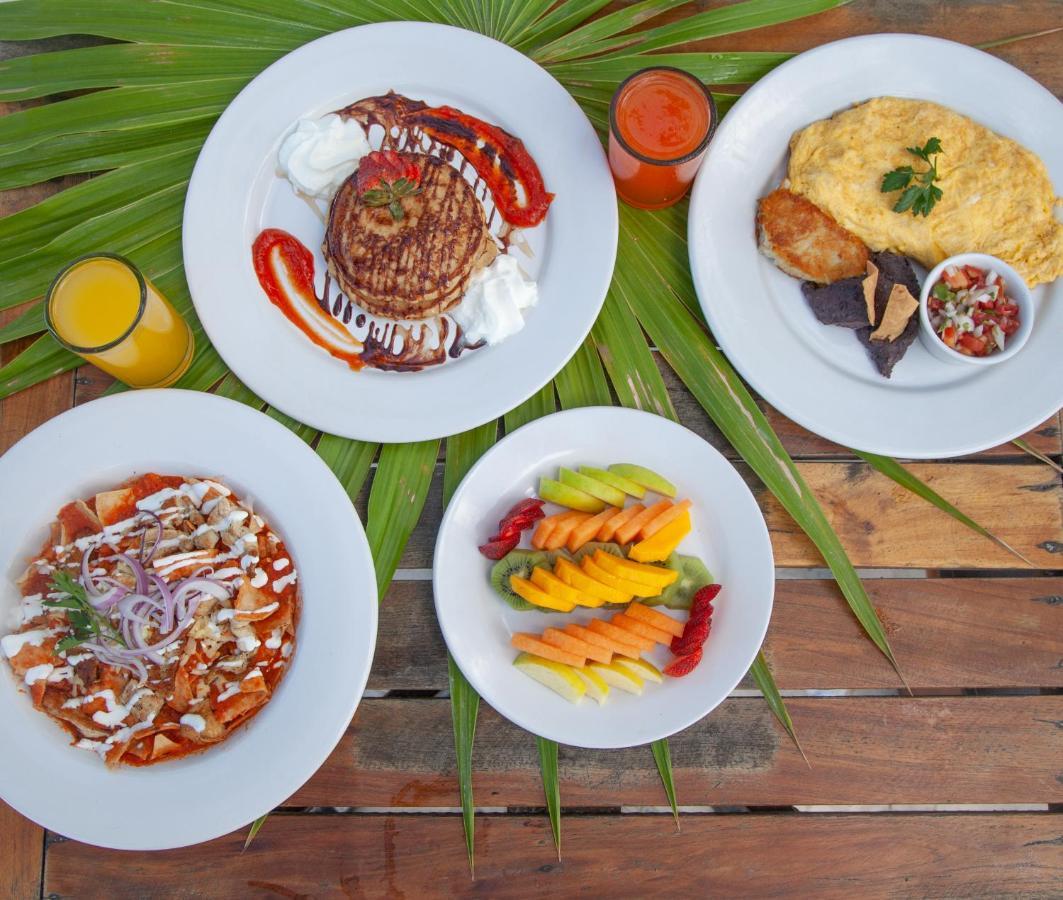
660, 122
102, 308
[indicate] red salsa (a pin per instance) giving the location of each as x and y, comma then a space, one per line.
970, 310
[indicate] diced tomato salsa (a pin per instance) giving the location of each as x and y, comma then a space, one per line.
970, 310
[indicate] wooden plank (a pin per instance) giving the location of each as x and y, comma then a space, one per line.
967, 21
863, 750
21, 855
947, 633
302, 856
884, 525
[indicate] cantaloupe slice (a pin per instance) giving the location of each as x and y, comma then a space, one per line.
625, 515
669, 515
563, 529
576, 645
542, 532
653, 576
529, 643
628, 587
664, 542
642, 629
620, 634
633, 526
622, 648
588, 528
656, 618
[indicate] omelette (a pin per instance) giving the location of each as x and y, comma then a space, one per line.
997, 196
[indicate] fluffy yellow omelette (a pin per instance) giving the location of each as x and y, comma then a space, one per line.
997, 196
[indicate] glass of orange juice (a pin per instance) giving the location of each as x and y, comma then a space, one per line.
661, 120
102, 308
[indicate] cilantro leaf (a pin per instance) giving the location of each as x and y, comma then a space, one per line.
918, 198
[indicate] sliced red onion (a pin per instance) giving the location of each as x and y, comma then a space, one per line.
145, 558
138, 572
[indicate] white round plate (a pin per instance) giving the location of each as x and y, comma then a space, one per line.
729, 535
200, 797
235, 192
820, 376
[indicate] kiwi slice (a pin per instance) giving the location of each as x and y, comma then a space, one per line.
693, 576
591, 546
516, 562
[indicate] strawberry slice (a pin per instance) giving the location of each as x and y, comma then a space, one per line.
522, 515
694, 635
499, 546
683, 665
703, 600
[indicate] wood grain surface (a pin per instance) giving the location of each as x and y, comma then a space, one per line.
982, 652
973, 632
772, 855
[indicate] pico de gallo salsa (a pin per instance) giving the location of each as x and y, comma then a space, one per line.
970, 310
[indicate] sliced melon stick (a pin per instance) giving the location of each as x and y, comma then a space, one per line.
600, 640
530, 643
563, 529
669, 515
576, 645
642, 629
625, 515
633, 526
588, 528
657, 619
619, 634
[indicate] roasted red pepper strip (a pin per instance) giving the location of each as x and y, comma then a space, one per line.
502, 162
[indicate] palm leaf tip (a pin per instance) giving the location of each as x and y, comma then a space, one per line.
662, 756
551, 787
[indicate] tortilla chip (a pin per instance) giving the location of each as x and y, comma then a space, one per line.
899, 309
869, 283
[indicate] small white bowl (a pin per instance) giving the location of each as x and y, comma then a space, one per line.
1017, 291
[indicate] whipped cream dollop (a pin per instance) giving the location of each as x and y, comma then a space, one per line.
318, 155
492, 308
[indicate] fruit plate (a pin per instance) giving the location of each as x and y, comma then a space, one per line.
728, 534
199, 797
235, 192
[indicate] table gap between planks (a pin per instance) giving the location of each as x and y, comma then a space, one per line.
957, 788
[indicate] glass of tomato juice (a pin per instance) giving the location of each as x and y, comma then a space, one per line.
102, 308
661, 120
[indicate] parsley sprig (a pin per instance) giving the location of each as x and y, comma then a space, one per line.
920, 197
86, 622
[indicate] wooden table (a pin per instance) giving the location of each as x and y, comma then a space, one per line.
955, 790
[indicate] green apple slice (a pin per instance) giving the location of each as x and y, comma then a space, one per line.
618, 677
597, 687
645, 670
591, 486
618, 481
565, 495
645, 477
561, 679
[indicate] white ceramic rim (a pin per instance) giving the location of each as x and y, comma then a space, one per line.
274, 359
871, 415
262, 764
